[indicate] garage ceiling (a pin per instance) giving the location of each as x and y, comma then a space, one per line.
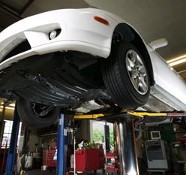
153, 19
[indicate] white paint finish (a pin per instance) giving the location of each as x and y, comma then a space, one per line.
81, 32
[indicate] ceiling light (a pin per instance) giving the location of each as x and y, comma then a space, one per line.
177, 60
7, 107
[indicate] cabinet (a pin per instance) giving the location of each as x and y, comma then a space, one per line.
157, 158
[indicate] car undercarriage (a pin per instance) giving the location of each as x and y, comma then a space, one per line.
60, 79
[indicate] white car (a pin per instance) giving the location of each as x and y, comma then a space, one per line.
82, 61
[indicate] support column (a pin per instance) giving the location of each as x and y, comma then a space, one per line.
61, 162
13, 144
107, 138
124, 133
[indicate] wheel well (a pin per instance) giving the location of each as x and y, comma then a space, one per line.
127, 33
21, 47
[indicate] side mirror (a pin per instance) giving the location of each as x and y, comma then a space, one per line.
158, 43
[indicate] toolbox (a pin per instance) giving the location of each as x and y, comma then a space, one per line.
89, 160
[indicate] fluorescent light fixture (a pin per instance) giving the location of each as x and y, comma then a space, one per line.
8, 107
177, 60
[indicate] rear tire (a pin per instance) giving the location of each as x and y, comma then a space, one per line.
36, 115
126, 77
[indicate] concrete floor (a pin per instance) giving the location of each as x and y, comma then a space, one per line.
39, 172
53, 172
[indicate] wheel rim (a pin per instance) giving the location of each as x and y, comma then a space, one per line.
41, 110
137, 72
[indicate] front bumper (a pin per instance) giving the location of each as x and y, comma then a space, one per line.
79, 32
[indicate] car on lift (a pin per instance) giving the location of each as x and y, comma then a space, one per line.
82, 61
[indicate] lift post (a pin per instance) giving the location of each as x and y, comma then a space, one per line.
13, 144
125, 140
61, 156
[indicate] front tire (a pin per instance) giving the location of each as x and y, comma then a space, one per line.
126, 76
36, 115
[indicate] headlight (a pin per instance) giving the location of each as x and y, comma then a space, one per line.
53, 34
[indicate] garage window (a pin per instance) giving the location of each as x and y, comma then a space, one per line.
7, 134
98, 135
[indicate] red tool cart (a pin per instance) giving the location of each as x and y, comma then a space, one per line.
89, 159
48, 158
48, 155
111, 166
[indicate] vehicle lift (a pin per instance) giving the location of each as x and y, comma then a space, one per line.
9, 169
13, 144
125, 140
